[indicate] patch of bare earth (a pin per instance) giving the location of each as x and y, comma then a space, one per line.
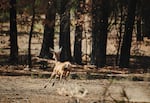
26, 89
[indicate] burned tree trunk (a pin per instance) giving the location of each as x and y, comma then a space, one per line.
30, 35
78, 32
48, 38
13, 33
139, 36
64, 41
127, 38
99, 34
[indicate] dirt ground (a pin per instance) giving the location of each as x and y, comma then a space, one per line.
27, 89
106, 85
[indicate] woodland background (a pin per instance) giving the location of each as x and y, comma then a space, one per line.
99, 32
107, 42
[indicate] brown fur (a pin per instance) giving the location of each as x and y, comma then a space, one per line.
61, 69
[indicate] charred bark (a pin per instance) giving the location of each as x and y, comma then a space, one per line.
64, 41
13, 33
48, 37
99, 32
78, 32
127, 38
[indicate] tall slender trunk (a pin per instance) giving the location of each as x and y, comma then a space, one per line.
139, 36
127, 38
13, 33
78, 32
100, 24
120, 33
145, 17
48, 37
30, 35
64, 40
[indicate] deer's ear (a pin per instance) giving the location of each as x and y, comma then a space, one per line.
60, 49
51, 50
66, 66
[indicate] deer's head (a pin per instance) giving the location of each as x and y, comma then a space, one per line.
56, 53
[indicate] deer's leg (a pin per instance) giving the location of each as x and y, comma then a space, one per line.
54, 80
61, 75
52, 75
63, 80
67, 74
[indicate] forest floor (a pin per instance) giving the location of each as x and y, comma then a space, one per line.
27, 89
104, 85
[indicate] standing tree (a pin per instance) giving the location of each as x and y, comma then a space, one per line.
78, 31
127, 38
30, 35
139, 36
99, 31
146, 18
64, 41
120, 5
13, 33
48, 38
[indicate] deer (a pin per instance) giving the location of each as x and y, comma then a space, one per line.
61, 69
56, 54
